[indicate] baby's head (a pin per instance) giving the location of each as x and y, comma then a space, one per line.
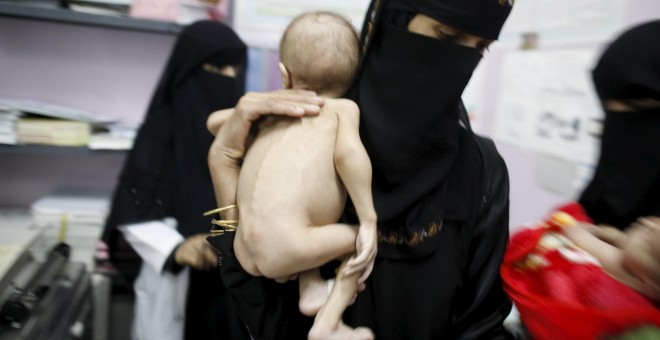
319, 52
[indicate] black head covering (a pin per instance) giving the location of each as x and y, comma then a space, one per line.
630, 67
166, 173
626, 184
409, 93
483, 18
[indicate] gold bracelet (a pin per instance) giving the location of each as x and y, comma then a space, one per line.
223, 226
219, 210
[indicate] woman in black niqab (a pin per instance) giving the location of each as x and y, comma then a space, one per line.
166, 173
626, 183
440, 191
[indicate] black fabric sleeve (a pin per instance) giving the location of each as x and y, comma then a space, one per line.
481, 304
170, 264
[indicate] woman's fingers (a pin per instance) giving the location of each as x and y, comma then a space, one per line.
211, 257
294, 103
652, 222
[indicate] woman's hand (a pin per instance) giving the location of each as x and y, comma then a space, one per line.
292, 103
253, 105
197, 253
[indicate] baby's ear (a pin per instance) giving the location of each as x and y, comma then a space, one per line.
286, 76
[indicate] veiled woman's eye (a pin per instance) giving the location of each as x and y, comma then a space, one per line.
482, 48
225, 70
448, 37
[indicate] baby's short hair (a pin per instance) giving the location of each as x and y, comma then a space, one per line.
321, 50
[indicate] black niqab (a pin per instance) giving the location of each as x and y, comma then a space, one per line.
411, 132
166, 173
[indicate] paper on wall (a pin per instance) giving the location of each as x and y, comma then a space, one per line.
547, 103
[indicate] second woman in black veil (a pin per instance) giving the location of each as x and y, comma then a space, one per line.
626, 183
155, 231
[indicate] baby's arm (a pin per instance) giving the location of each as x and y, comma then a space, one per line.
354, 169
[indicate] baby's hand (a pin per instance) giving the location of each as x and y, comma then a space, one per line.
366, 246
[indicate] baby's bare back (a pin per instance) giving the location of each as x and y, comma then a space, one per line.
288, 178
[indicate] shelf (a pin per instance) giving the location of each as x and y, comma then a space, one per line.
62, 15
56, 150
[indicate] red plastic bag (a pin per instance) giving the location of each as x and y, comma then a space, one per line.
562, 293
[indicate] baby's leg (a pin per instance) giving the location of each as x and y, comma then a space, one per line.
328, 323
314, 291
288, 249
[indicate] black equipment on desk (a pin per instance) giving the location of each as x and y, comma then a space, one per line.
47, 300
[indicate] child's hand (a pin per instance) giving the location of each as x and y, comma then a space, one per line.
366, 246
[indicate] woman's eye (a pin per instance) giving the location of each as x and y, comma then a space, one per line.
483, 48
449, 37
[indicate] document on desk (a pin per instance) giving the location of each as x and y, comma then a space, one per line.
13, 243
8, 254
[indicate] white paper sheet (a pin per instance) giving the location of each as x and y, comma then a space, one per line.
153, 240
547, 103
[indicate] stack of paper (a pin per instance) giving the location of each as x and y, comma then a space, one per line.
49, 124
57, 111
113, 137
103, 7
74, 215
86, 205
8, 118
49, 131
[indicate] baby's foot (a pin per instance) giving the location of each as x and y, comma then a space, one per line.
313, 295
342, 332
